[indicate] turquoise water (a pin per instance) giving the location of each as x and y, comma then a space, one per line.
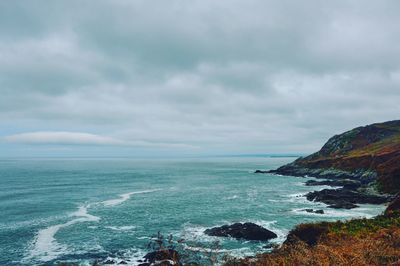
87, 209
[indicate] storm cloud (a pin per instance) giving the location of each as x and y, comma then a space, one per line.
194, 77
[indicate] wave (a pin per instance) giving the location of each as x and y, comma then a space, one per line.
193, 232
364, 211
45, 247
271, 225
124, 197
231, 197
121, 228
132, 257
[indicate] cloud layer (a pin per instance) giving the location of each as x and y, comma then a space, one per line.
224, 76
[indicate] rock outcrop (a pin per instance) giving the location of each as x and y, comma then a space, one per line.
167, 257
307, 233
345, 198
246, 231
365, 160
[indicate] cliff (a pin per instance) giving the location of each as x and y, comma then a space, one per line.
369, 155
362, 161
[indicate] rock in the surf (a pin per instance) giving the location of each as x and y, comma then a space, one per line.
164, 257
246, 231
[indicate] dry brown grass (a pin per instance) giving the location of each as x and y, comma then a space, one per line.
377, 248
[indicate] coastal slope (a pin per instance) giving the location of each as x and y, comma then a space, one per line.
369, 155
365, 161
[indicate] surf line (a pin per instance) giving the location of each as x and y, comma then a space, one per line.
45, 246
124, 197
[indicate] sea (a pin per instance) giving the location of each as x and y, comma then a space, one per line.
82, 210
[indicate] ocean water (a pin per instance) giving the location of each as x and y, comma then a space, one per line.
79, 210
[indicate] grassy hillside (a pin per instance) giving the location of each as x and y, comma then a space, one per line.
356, 242
373, 150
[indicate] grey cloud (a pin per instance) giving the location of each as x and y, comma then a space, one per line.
221, 75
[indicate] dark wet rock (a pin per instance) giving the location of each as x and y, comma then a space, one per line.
271, 246
342, 205
261, 172
109, 262
308, 233
246, 231
314, 211
369, 155
165, 257
294, 169
345, 198
123, 262
144, 264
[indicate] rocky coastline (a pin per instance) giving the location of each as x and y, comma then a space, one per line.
363, 165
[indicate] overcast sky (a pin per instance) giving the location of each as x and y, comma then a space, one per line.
133, 78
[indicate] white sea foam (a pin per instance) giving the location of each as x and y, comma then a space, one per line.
213, 250
121, 228
364, 211
297, 198
129, 257
271, 225
125, 197
45, 247
231, 197
195, 233
143, 237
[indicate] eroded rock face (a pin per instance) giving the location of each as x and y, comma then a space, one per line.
345, 198
365, 154
246, 231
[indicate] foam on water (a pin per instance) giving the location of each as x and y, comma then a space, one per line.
271, 225
201, 195
121, 228
364, 211
193, 232
231, 197
129, 257
45, 247
124, 197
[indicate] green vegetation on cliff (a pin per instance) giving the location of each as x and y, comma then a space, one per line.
370, 154
367, 155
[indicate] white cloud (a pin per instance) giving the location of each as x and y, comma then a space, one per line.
70, 138
79, 138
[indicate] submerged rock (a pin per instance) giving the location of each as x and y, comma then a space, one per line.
315, 211
246, 231
261, 172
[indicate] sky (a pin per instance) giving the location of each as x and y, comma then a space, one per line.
187, 78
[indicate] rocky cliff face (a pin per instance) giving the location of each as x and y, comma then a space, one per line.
369, 155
